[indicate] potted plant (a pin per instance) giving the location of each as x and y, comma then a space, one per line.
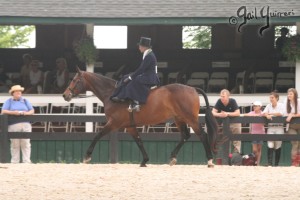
85, 50
291, 49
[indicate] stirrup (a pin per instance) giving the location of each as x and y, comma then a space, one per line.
134, 107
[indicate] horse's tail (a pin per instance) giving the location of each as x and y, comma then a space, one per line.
211, 123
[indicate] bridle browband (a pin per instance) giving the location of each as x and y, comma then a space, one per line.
72, 90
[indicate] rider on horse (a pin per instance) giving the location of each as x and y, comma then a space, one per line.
136, 86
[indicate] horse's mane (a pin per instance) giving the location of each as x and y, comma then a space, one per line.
106, 79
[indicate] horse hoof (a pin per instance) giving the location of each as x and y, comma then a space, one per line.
173, 162
87, 160
143, 165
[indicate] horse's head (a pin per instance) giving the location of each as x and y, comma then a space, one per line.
76, 86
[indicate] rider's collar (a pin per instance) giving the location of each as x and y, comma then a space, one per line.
146, 53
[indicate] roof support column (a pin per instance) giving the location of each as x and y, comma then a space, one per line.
89, 68
297, 70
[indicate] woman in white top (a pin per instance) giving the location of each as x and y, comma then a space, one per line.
36, 78
293, 110
27, 59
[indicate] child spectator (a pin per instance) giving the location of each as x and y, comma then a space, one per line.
256, 128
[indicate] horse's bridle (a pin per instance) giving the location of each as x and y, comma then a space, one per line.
72, 90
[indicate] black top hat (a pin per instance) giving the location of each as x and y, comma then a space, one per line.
145, 42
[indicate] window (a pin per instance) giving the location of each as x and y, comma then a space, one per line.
292, 31
17, 36
110, 37
196, 37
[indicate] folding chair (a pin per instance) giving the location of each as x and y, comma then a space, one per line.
77, 109
59, 108
98, 109
197, 83
263, 81
40, 108
282, 85
216, 85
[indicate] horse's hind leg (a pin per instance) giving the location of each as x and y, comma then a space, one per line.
136, 136
185, 135
199, 131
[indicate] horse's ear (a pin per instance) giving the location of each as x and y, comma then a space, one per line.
78, 70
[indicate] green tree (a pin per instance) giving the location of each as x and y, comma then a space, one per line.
15, 36
196, 37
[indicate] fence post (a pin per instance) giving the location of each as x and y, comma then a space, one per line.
4, 139
113, 147
224, 151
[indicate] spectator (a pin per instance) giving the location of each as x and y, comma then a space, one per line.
36, 78
18, 106
280, 42
293, 110
257, 128
274, 109
27, 58
227, 107
61, 76
4, 79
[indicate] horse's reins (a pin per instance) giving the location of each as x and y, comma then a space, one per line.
79, 96
84, 96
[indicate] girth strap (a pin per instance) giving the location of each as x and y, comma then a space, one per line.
132, 122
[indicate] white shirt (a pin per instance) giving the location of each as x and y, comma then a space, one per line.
279, 108
35, 77
293, 111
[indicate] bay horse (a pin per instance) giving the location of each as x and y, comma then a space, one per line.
174, 101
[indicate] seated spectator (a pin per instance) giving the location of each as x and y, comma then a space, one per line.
61, 76
27, 58
36, 78
4, 80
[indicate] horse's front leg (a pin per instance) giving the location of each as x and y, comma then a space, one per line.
107, 129
136, 136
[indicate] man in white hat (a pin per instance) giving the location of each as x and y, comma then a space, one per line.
18, 106
136, 86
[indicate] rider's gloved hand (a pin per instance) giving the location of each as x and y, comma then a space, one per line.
126, 80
